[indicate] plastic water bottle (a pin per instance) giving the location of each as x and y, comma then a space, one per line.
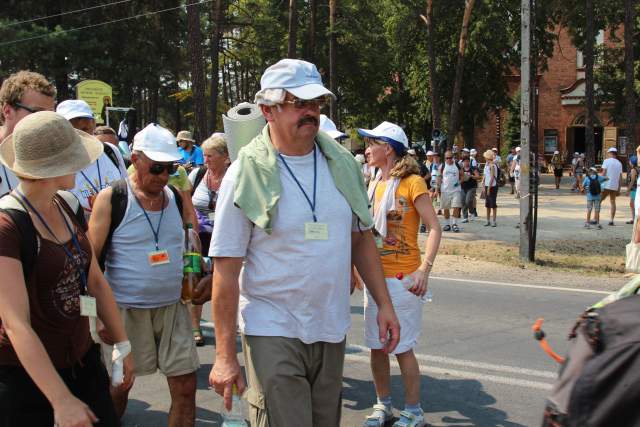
192, 259
407, 282
234, 417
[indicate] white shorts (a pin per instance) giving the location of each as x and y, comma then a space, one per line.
408, 308
451, 200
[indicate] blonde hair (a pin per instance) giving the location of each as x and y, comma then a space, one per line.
405, 166
217, 143
489, 155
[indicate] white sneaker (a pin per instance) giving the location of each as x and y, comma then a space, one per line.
408, 419
464, 220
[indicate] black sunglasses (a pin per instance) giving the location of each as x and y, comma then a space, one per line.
29, 109
304, 103
448, 158
158, 168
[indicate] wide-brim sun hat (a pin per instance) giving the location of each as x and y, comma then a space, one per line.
300, 78
328, 127
489, 154
390, 133
157, 143
45, 145
185, 135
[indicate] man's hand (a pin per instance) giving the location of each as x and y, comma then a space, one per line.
389, 328
129, 376
223, 375
201, 293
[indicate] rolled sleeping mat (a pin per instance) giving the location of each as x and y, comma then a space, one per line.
241, 124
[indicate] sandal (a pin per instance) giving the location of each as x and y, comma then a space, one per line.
379, 417
455, 228
197, 337
407, 419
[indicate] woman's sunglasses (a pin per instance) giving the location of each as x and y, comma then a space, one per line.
158, 168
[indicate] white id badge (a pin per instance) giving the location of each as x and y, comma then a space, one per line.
88, 306
379, 242
316, 231
158, 258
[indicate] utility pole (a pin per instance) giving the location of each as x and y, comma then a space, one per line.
525, 133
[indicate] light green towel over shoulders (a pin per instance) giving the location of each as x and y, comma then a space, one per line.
258, 187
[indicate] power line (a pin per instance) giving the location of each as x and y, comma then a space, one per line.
128, 18
42, 18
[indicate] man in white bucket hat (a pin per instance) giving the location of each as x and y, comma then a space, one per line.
143, 264
291, 218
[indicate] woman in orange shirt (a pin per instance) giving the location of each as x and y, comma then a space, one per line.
400, 200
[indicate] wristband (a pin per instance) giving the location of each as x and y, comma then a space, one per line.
120, 351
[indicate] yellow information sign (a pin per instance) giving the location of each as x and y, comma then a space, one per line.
98, 95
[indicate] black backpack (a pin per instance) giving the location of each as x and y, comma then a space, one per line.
594, 186
202, 170
599, 384
108, 150
119, 197
29, 241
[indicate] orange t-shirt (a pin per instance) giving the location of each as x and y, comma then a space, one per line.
400, 252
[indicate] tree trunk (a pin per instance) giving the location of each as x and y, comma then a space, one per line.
216, 34
629, 90
311, 49
457, 87
197, 70
293, 28
333, 8
588, 76
431, 61
225, 90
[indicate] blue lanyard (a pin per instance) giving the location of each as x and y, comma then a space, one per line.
96, 190
312, 205
6, 177
156, 233
74, 239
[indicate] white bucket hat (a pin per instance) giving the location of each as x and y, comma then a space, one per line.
327, 126
157, 143
389, 133
74, 109
45, 145
300, 78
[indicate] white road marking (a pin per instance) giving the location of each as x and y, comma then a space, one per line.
464, 374
470, 364
520, 285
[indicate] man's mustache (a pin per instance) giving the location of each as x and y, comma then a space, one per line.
308, 119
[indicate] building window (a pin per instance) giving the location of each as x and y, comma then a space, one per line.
550, 140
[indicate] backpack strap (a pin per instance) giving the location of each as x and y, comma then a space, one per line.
29, 241
108, 150
71, 204
119, 192
178, 197
202, 170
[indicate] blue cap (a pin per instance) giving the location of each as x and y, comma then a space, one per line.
300, 78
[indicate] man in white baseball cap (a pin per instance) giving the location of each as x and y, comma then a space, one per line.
294, 202
100, 174
143, 264
327, 125
612, 169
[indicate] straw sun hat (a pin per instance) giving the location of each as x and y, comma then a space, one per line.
45, 145
489, 155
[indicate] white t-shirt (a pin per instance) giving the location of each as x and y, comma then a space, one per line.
450, 178
487, 181
98, 175
201, 194
9, 180
289, 286
613, 169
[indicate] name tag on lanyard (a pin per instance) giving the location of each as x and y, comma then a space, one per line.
88, 306
316, 231
159, 257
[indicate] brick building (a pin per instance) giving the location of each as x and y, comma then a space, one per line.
561, 110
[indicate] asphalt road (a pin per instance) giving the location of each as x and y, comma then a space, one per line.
480, 365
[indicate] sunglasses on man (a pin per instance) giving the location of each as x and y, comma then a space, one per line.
159, 168
31, 110
304, 103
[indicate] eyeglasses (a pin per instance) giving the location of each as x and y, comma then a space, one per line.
29, 109
304, 103
158, 168
448, 158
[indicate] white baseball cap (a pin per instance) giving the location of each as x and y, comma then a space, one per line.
473, 151
465, 149
411, 151
429, 153
390, 133
327, 126
74, 108
556, 152
300, 78
157, 143
576, 154
517, 149
612, 150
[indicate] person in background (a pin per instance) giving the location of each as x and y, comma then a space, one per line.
632, 186
205, 182
191, 153
51, 372
515, 171
434, 173
612, 169
556, 164
593, 190
579, 172
490, 184
21, 94
510, 157
574, 162
108, 135
470, 178
450, 192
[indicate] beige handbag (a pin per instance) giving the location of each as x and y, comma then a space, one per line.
633, 252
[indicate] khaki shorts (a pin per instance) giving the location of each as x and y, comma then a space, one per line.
451, 200
161, 338
293, 384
